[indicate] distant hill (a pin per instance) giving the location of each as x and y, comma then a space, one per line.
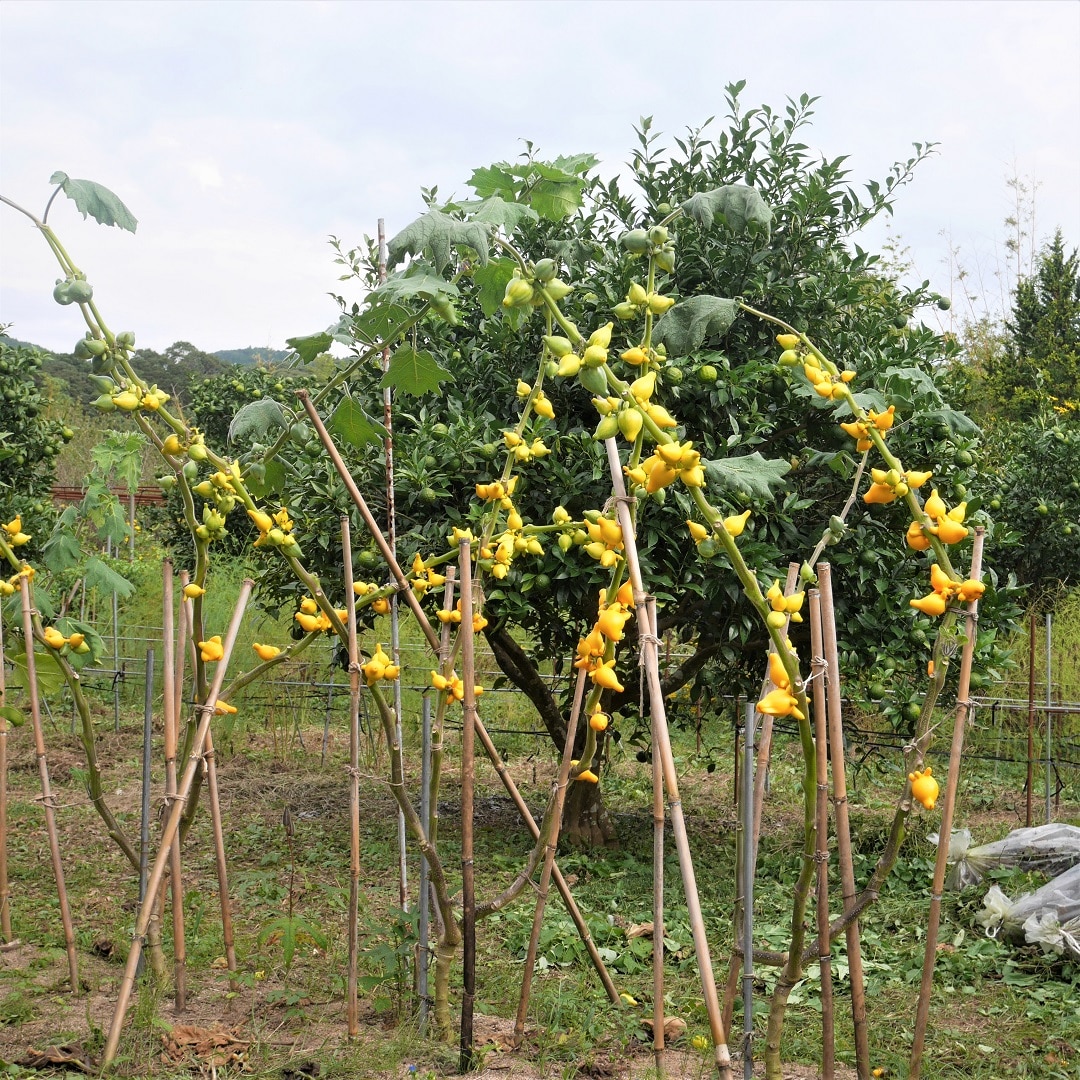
249, 356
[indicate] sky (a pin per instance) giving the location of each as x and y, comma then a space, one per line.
243, 135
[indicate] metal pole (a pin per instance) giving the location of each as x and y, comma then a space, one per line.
425, 907
1049, 713
748, 891
131, 522
1031, 723
144, 823
115, 648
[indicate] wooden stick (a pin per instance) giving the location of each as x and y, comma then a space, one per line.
169, 703
649, 640
352, 1006
46, 790
433, 640
818, 667
963, 710
552, 827
5, 888
842, 819
468, 779
659, 821
171, 826
761, 775
217, 826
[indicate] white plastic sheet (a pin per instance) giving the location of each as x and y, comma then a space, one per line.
1048, 917
1049, 849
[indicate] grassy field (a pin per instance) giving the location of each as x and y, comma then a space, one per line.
997, 1010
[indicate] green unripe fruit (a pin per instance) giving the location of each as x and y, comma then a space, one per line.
558, 346
61, 293
191, 471
707, 549
664, 209
707, 373
665, 259
103, 383
565, 541
608, 428
300, 434
658, 235
126, 339
594, 380
545, 270
197, 452
67, 434
440, 431
624, 311
557, 289
167, 482
82, 350
912, 711
963, 457
80, 292
630, 421
96, 347
636, 241
789, 358
673, 375
104, 402
876, 691
944, 303
204, 489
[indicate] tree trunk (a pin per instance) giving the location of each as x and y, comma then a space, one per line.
585, 822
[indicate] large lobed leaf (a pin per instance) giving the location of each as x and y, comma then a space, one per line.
256, 420
96, 201
439, 234
752, 474
740, 207
414, 372
686, 326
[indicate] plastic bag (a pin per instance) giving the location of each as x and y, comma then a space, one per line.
1049, 849
1048, 917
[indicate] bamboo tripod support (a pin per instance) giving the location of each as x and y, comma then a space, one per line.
46, 789
172, 825
549, 855
5, 888
956, 750
842, 819
217, 826
468, 781
433, 641
651, 659
818, 666
351, 1003
659, 821
170, 677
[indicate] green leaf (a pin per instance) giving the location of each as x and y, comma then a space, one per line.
499, 213
378, 322
493, 180
97, 201
15, 717
686, 326
492, 281
958, 423
310, 346
438, 233
99, 575
49, 677
752, 474
352, 425
120, 454
416, 280
256, 420
740, 207
556, 201
413, 372
61, 551
271, 481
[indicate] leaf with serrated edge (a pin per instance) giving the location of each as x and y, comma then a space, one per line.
686, 326
417, 280
256, 420
438, 233
99, 575
751, 474
96, 201
310, 346
413, 372
500, 213
491, 280
352, 425
739, 206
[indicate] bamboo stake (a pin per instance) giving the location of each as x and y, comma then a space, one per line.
169, 705
549, 853
468, 779
206, 710
842, 820
391, 530
352, 1008
217, 827
46, 790
5, 888
963, 709
744, 865
659, 818
433, 640
650, 642
817, 663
